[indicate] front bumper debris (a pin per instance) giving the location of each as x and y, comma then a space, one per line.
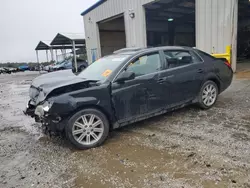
51, 123
30, 110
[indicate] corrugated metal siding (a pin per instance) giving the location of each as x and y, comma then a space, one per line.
135, 28
214, 24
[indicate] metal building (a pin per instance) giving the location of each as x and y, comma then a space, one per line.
210, 25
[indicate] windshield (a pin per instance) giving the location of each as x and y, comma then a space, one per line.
102, 68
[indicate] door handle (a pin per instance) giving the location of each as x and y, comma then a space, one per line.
161, 80
200, 70
164, 79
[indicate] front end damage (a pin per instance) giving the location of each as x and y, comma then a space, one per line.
50, 123
52, 106
40, 109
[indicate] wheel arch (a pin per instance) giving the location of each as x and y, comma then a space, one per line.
215, 79
217, 82
96, 107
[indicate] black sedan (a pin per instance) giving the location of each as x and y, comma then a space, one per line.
126, 87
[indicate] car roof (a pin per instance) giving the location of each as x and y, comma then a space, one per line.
133, 51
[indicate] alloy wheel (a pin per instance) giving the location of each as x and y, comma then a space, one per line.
88, 129
209, 95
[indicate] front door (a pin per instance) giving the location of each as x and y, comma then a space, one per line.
136, 98
182, 79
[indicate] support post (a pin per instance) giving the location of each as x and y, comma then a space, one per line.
47, 55
52, 54
64, 52
74, 52
56, 56
37, 58
234, 35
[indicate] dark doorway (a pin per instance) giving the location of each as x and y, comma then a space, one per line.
171, 22
112, 34
243, 40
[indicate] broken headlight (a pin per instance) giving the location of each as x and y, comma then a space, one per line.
47, 105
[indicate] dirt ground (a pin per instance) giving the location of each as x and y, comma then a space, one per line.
182, 149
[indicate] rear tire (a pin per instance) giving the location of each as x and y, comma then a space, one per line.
87, 129
208, 95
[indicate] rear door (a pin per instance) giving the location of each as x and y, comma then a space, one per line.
135, 98
182, 79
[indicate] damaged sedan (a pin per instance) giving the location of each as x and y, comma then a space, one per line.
127, 86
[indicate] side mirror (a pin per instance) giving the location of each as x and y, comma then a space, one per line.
125, 76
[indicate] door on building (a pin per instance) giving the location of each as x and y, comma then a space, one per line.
112, 34
243, 39
170, 22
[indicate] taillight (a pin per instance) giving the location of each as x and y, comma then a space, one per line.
227, 64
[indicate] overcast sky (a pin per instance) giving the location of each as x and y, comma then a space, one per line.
23, 23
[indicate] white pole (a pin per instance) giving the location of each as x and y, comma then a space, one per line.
56, 56
52, 54
74, 51
65, 53
47, 55
37, 58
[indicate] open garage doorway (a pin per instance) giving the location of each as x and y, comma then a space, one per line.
243, 40
170, 22
112, 34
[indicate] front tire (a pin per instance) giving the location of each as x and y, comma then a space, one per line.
208, 95
87, 129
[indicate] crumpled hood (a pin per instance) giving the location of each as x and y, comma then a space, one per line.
59, 78
45, 84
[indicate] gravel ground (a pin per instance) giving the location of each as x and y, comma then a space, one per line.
185, 148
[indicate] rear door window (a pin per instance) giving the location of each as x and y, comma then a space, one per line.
205, 55
179, 58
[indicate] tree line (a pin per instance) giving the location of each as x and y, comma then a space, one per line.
16, 64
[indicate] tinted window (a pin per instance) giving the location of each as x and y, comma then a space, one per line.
145, 65
178, 58
196, 57
102, 68
205, 55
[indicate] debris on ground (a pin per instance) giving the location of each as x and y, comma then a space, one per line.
187, 148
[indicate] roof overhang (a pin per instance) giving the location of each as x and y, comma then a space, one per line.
68, 38
43, 45
97, 4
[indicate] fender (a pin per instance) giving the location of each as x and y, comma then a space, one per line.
213, 77
65, 104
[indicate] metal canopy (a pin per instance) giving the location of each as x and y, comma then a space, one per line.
62, 41
43, 45
68, 38
77, 40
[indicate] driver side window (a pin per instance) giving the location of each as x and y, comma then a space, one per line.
145, 64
